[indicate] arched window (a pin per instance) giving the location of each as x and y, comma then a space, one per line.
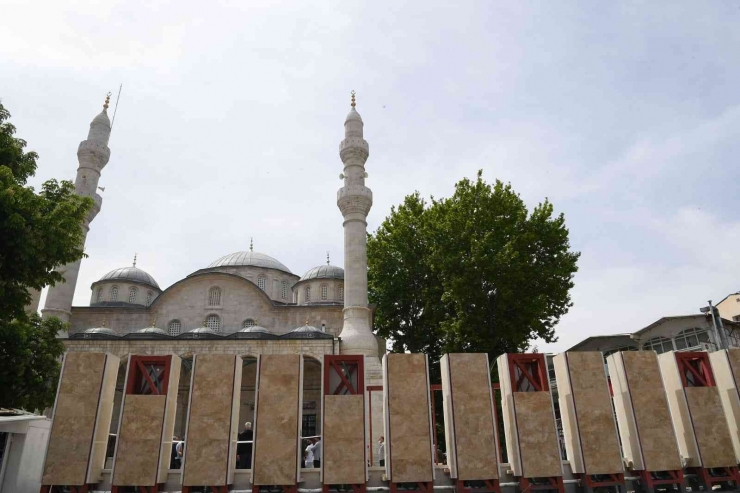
690, 338
285, 290
248, 323
149, 296
659, 344
261, 282
308, 294
341, 293
214, 296
174, 327
213, 322
324, 292
100, 295
132, 295
114, 293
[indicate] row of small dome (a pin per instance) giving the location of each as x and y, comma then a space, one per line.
201, 330
237, 259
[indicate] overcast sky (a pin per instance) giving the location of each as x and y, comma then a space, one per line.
625, 114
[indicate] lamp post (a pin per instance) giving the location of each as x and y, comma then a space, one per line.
719, 329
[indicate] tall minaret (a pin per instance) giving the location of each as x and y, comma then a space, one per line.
354, 200
93, 155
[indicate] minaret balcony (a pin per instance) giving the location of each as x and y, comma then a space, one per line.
354, 199
93, 152
354, 147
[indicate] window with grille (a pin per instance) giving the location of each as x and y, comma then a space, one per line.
308, 294
248, 323
261, 282
132, 295
174, 327
214, 296
114, 293
341, 293
149, 296
324, 292
690, 338
100, 295
659, 344
285, 290
213, 322
309, 425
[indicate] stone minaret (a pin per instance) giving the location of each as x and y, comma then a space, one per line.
354, 200
93, 155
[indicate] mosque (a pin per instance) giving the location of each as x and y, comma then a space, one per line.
244, 303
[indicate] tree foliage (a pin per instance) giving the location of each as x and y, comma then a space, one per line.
38, 231
30, 353
473, 272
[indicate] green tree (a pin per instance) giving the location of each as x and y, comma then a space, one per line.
473, 272
38, 232
30, 353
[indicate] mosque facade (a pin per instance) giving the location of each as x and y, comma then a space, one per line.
245, 303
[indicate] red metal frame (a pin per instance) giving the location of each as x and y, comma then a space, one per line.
139, 374
286, 489
649, 482
422, 487
491, 486
697, 365
596, 481
549, 483
532, 368
727, 474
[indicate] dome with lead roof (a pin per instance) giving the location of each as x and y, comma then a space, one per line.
131, 274
249, 258
326, 271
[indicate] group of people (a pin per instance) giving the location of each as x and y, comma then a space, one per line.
312, 454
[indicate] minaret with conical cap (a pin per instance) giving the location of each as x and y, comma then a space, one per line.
93, 155
355, 200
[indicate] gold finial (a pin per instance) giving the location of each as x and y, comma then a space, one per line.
107, 101
135, 254
327, 258
154, 322
204, 322
353, 98
251, 244
104, 322
306, 321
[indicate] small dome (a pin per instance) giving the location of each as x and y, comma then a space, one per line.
102, 330
306, 328
250, 258
130, 274
255, 328
324, 272
353, 115
152, 330
202, 330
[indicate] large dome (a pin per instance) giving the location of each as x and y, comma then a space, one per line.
324, 272
250, 258
130, 274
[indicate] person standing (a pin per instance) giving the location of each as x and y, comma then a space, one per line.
309, 453
244, 450
381, 451
317, 452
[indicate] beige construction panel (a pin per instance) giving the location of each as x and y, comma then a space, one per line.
726, 384
343, 453
472, 416
508, 415
593, 411
73, 425
209, 423
278, 412
139, 440
652, 416
679, 408
105, 414
710, 429
170, 412
408, 418
625, 415
538, 437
